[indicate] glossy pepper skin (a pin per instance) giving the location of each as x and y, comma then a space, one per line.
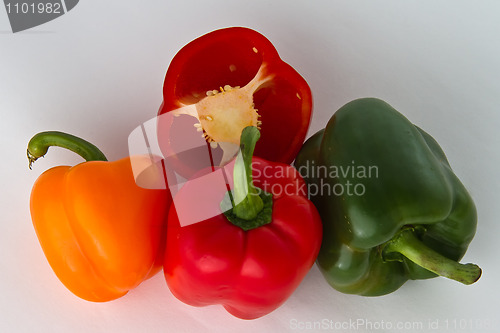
413, 212
100, 232
232, 78
250, 272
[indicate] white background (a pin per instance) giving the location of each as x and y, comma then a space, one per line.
97, 72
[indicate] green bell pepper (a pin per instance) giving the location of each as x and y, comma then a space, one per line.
392, 208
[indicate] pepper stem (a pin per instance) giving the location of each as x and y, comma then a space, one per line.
251, 206
245, 196
40, 143
406, 243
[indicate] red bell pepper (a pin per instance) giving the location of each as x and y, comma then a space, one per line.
233, 78
251, 257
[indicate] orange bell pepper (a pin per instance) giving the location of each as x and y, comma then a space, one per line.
101, 233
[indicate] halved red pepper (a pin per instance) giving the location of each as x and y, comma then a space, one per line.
233, 78
251, 257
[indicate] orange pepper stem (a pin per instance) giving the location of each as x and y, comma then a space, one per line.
40, 143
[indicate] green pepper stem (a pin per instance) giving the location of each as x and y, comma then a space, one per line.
40, 143
409, 245
246, 197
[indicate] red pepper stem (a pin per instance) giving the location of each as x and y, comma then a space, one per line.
247, 202
40, 143
252, 207
406, 243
